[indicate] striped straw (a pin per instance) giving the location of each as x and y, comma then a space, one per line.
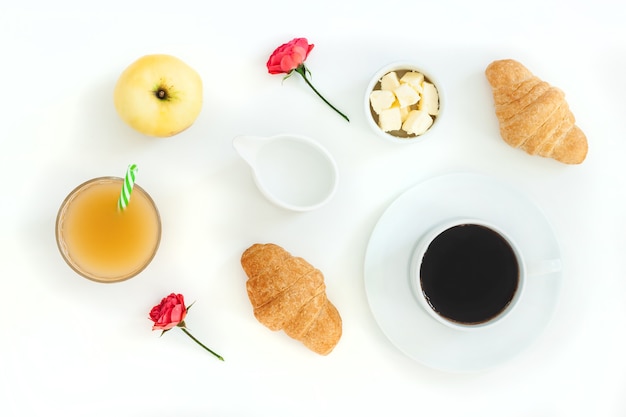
129, 182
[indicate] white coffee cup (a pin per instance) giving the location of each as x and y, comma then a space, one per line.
469, 274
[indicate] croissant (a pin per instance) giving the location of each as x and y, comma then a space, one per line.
533, 115
287, 293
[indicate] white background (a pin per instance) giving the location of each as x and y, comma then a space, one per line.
78, 348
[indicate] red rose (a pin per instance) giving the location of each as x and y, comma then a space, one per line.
169, 313
289, 56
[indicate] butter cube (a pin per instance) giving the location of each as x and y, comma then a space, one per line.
389, 81
381, 100
430, 99
406, 95
414, 79
418, 122
404, 111
390, 119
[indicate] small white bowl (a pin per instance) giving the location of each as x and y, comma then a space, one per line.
400, 136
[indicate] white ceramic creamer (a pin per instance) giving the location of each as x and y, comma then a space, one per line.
293, 172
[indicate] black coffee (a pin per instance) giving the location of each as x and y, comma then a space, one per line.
469, 274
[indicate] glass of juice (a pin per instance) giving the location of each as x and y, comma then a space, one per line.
100, 241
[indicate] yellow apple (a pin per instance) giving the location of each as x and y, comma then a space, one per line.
158, 95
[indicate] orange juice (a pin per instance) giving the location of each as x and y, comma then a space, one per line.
99, 241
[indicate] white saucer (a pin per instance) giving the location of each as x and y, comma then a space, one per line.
387, 277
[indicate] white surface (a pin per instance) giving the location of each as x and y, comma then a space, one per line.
77, 348
390, 272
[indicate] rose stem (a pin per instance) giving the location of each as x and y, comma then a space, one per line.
200, 343
302, 71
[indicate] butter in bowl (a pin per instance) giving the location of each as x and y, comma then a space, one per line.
403, 102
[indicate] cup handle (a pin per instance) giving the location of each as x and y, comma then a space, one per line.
544, 267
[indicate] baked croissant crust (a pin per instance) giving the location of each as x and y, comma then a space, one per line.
287, 293
533, 115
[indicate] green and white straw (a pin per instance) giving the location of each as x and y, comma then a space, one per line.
127, 188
